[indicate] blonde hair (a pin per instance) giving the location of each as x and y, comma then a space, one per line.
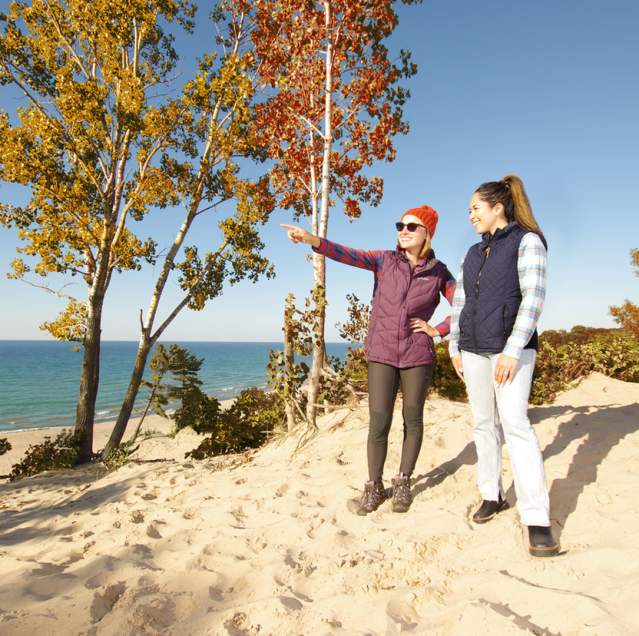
425, 247
423, 252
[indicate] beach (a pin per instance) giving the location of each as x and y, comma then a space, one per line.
267, 542
21, 440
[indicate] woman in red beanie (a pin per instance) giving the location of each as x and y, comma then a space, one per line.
399, 345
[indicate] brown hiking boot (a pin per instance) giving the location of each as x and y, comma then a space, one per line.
402, 497
373, 497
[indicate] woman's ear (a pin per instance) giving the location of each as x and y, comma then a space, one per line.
499, 209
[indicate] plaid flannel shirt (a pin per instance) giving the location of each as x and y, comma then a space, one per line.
372, 260
531, 270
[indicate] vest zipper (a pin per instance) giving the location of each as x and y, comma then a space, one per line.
486, 255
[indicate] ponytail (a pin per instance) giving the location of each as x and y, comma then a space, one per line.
511, 194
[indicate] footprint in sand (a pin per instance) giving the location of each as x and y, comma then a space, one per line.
239, 625
282, 490
49, 586
153, 532
291, 603
104, 601
403, 614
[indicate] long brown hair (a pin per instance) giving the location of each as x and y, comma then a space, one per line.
511, 194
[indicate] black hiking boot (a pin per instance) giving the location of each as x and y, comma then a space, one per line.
373, 497
489, 509
402, 497
542, 543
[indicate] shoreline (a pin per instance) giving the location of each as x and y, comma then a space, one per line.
21, 440
225, 404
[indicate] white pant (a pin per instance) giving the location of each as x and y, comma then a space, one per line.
491, 404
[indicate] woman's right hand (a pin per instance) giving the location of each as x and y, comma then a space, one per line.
300, 235
457, 365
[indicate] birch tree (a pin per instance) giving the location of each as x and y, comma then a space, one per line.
100, 142
335, 108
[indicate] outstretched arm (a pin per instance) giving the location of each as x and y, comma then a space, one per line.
366, 259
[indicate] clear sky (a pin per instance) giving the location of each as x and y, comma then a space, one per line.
548, 90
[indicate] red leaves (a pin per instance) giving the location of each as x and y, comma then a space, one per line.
292, 39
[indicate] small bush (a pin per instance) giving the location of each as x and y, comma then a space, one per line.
5, 445
118, 457
254, 415
356, 369
61, 452
563, 357
567, 356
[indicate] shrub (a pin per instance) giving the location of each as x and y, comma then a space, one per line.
567, 356
254, 416
616, 354
355, 369
5, 445
445, 380
61, 452
117, 457
563, 356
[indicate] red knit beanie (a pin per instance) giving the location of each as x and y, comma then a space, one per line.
426, 215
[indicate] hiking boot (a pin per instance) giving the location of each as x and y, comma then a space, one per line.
542, 543
402, 497
373, 497
489, 509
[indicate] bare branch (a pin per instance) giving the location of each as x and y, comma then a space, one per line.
67, 44
309, 123
59, 293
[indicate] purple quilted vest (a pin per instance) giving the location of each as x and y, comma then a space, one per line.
402, 293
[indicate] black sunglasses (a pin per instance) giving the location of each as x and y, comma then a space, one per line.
411, 227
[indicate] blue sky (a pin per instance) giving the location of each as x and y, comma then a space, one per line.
548, 90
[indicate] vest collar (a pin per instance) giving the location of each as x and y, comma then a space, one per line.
499, 234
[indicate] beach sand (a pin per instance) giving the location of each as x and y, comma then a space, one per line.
267, 542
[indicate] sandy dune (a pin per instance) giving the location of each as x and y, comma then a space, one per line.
268, 543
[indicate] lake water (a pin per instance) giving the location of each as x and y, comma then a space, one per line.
39, 380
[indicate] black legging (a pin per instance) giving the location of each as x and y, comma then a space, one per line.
383, 383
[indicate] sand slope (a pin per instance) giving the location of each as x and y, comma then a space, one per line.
269, 544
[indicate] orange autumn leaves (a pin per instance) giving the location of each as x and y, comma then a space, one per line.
290, 40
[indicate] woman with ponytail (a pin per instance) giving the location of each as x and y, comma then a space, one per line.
493, 345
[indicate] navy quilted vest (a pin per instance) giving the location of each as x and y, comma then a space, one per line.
493, 296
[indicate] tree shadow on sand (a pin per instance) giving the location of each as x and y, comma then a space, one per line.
22, 521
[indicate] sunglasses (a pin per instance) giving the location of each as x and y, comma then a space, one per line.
411, 227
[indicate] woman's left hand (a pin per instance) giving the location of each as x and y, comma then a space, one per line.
505, 369
417, 324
